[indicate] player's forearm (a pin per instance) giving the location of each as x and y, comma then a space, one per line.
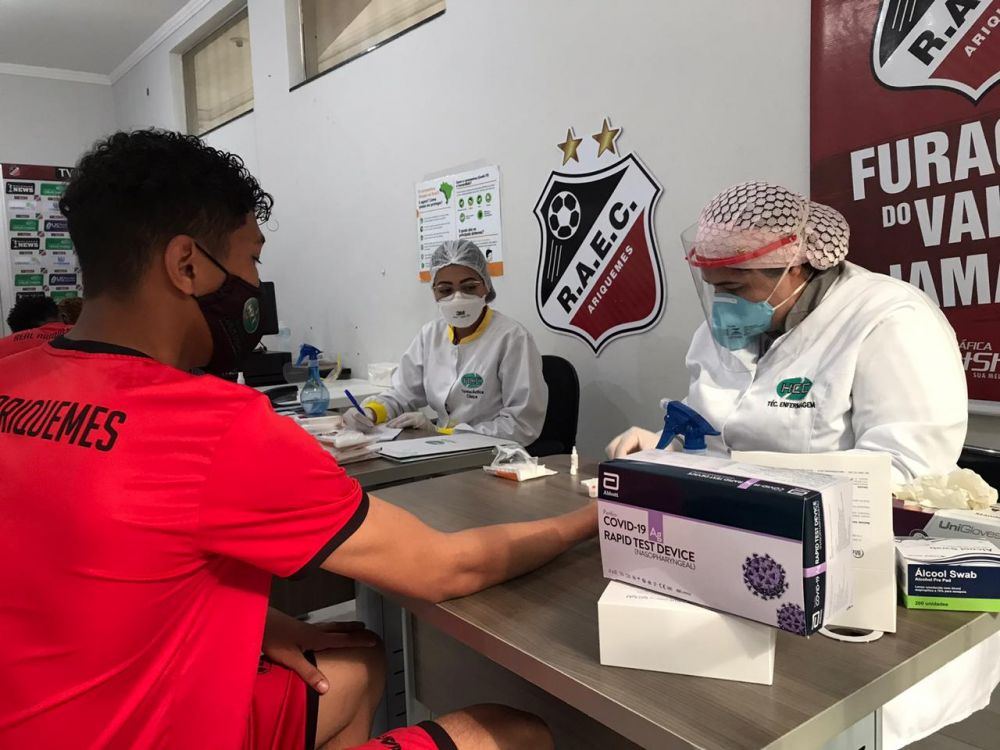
479, 558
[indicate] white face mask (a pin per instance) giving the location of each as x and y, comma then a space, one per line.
461, 310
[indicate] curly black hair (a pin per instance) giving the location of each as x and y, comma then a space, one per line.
31, 312
134, 191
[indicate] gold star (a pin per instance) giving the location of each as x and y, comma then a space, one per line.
606, 138
569, 146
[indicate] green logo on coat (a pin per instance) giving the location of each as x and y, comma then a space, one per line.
472, 380
251, 315
794, 389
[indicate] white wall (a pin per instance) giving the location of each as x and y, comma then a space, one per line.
44, 121
239, 137
707, 96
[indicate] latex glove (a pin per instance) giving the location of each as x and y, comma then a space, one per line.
411, 420
962, 489
285, 639
980, 495
354, 420
633, 440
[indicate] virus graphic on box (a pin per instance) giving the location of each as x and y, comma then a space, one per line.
792, 617
764, 576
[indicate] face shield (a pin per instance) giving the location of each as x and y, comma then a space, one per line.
739, 252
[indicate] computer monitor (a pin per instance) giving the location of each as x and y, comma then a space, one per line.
268, 309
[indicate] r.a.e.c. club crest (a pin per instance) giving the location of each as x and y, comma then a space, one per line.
951, 44
599, 273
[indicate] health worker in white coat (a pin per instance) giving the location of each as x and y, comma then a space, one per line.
479, 370
803, 352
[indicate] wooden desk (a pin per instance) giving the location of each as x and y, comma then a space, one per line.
542, 629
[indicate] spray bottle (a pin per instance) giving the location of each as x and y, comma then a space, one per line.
315, 398
682, 420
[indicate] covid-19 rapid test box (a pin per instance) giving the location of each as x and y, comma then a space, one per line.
956, 574
771, 545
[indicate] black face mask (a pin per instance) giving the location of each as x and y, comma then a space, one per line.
233, 315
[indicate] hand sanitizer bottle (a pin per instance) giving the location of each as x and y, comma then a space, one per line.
315, 397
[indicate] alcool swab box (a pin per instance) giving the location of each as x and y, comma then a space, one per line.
955, 574
771, 545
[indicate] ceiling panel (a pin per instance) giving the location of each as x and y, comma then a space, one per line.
93, 36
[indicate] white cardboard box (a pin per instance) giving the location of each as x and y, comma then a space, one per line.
643, 630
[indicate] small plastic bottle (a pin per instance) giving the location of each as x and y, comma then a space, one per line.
574, 462
315, 397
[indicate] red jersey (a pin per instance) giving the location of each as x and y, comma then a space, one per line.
29, 339
143, 511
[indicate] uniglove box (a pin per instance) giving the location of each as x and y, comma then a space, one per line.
909, 520
767, 544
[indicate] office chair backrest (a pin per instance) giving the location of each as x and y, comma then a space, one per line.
563, 412
983, 461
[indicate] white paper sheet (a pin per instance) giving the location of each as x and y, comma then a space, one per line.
871, 528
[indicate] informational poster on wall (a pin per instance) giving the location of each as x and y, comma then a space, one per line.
906, 144
462, 206
40, 255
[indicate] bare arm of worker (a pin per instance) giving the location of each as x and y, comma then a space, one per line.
396, 551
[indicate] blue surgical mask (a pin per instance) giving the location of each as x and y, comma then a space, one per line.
736, 322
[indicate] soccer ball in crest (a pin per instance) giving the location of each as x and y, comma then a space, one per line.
564, 215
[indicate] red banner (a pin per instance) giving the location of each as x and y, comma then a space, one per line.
35, 172
906, 144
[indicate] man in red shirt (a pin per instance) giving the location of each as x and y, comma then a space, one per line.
144, 509
34, 321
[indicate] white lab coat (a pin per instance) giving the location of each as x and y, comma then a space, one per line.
490, 383
886, 376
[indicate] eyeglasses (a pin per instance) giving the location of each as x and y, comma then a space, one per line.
444, 289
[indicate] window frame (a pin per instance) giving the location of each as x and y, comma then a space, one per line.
305, 45
189, 81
